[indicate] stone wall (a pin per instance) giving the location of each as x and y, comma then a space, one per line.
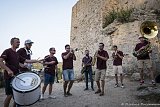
86, 30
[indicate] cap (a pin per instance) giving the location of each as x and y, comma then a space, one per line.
28, 41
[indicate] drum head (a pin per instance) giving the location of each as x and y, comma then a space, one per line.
26, 82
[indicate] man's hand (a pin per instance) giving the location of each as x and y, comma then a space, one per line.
97, 55
52, 62
143, 47
10, 73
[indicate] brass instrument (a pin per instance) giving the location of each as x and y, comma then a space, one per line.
94, 58
148, 30
143, 52
114, 55
73, 50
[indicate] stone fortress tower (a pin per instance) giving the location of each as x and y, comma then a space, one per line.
87, 30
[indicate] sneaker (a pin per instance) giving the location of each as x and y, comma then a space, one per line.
116, 85
51, 97
141, 82
65, 95
101, 94
153, 83
98, 91
122, 86
69, 94
85, 89
42, 97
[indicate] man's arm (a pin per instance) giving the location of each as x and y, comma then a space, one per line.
32, 61
103, 58
74, 56
56, 69
66, 56
49, 63
10, 72
120, 55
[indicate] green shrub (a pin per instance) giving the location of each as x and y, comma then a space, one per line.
112, 15
122, 15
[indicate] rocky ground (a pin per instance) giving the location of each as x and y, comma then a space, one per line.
114, 97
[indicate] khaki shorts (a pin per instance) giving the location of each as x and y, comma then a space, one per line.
142, 63
117, 69
100, 74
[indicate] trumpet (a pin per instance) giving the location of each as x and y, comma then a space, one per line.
94, 58
73, 50
114, 55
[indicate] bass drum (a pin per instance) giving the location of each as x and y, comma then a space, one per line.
26, 88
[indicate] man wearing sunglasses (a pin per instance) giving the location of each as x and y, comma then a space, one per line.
50, 69
101, 66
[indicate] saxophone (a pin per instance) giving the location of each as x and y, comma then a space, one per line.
94, 58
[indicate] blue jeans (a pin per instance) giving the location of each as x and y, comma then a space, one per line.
48, 79
68, 75
89, 73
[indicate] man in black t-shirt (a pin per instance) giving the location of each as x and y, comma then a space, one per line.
68, 73
11, 67
26, 53
50, 63
144, 60
87, 64
117, 65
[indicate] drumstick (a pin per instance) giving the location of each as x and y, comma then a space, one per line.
19, 78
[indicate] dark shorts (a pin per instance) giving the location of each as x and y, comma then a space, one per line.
8, 87
48, 79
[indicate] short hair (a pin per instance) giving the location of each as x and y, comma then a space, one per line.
12, 40
86, 50
50, 49
66, 46
101, 44
115, 46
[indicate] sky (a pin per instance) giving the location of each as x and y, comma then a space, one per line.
46, 22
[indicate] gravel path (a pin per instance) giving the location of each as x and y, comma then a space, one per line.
114, 97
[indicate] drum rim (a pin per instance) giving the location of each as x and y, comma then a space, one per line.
26, 90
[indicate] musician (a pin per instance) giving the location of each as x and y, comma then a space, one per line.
117, 65
68, 73
144, 60
102, 57
26, 53
87, 64
11, 67
50, 63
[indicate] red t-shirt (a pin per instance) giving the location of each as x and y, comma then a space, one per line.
117, 61
12, 60
50, 69
67, 63
101, 64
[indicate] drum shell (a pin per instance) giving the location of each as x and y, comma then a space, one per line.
27, 98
